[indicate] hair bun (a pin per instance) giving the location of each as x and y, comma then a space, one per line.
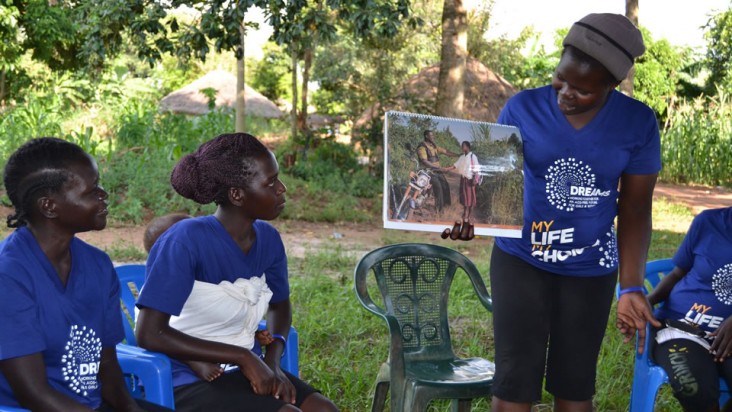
185, 178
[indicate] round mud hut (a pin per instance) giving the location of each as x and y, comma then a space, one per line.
191, 99
485, 94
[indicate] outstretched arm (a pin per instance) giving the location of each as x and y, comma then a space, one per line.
634, 237
27, 378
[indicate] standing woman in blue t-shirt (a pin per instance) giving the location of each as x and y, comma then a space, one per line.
59, 302
591, 154
695, 348
210, 280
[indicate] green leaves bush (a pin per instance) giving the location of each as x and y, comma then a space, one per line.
696, 146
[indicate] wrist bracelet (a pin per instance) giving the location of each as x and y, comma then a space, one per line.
631, 290
282, 339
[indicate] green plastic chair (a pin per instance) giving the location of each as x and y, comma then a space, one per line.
414, 281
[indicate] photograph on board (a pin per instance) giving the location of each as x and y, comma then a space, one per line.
441, 170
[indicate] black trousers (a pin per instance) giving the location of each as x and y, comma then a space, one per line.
441, 190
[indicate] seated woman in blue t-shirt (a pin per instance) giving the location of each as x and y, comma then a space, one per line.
60, 317
695, 346
211, 279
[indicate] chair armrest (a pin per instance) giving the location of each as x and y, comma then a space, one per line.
644, 357
480, 290
153, 369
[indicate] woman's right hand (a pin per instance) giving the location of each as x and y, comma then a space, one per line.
460, 231
259, 374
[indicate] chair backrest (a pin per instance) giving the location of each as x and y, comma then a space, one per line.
655, 271
131, 278
414, 282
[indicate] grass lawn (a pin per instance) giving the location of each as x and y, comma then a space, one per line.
342, 345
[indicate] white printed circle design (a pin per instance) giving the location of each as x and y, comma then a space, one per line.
561, 176
609, 250
81, 361
722, 284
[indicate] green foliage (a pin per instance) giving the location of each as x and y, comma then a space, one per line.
125, 252
50, 32
333, 167
272, 73
34, 119
10, 48
504, 56
310, 201
719, 53
74, 35
658, 73
696, 143
210, 94
355, 72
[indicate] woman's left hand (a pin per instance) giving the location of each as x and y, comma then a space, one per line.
722, 344
283, 388
632, 314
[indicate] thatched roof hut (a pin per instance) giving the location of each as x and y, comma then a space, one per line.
190, 100
485, 94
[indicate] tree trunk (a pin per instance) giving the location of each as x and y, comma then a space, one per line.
240, 113
451, 87
307, 64
302, 118
2, 88
293, 112
631, 12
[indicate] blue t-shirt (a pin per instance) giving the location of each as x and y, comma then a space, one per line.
200, 249
68, 325
704, 295
571, 179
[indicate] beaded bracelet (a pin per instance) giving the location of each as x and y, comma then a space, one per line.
282, 339
631, 290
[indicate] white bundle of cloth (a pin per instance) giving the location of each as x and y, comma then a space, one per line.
226, 313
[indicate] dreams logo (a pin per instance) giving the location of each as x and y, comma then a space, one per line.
81, 361
570, 184
722, 284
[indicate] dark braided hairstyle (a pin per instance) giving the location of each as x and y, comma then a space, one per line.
37, 168
223, 162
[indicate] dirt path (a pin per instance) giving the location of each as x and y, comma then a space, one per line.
697, 198
302, 237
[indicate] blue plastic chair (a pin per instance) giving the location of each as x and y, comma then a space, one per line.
154, 371
647, 375
150, 369
132, 277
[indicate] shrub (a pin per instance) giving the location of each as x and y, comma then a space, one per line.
696, 143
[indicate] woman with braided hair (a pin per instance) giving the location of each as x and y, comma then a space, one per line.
59, 302
210, 280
